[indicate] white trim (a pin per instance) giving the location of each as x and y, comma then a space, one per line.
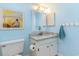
11, 28
11, 41
60, 54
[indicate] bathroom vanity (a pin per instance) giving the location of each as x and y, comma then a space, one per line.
45, 44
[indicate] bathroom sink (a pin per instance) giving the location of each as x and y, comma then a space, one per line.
43, 35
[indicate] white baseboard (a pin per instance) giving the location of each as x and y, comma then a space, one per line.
60, 54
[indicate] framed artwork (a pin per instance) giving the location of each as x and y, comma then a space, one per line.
11, 19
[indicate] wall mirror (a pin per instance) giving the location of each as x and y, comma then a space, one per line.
11, 19
42, 16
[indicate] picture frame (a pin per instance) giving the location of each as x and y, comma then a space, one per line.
11, 19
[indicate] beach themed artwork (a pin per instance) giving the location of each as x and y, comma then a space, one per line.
10, 19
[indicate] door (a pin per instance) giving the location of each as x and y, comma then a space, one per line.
53, 49
43, 50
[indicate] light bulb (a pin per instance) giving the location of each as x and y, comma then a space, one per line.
41, 8
47, 10
35, 7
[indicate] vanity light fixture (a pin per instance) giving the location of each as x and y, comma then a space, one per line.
35, 7
42, 8
47, 11
39, 8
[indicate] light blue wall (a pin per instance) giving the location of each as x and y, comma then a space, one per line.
66, 13
6, 35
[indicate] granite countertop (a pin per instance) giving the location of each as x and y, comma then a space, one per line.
44, 36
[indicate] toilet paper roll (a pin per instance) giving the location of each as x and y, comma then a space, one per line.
32, 47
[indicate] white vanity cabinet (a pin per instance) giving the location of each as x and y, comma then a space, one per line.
44, 45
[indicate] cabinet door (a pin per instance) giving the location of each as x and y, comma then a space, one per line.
53, 49
43, 50
8, 50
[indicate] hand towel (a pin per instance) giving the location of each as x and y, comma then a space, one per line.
62, 32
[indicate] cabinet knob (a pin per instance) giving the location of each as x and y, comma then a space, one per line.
34, 43
47, 46
38, 49
4, 46
51, 44
33, 47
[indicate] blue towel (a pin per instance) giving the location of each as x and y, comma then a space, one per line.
61, 32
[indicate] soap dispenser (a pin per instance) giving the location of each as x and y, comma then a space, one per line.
39, 28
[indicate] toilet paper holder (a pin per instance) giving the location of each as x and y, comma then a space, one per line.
32, 47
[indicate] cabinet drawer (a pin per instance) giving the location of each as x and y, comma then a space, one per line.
34, 42
47, 41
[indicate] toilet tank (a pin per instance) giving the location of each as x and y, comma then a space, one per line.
11, 48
